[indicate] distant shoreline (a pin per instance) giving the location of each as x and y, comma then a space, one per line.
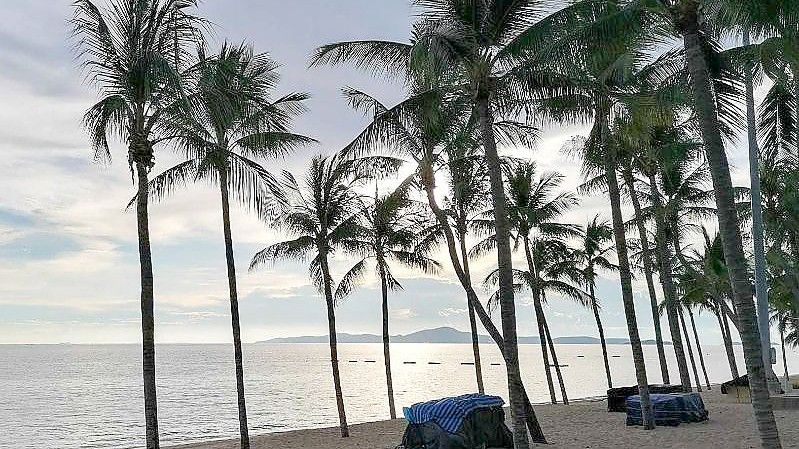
444, 335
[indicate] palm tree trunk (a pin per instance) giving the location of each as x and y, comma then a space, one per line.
542, 338
625, 276
729, 229
667, 282
428, 182
761, 289
478, 367
727, 337
147, 312
505, 268
386, 345
699, 348
674, 225
539, 318
648, 270
601, 333
556, 363
331, 325
784, 360
690, 351
234, 310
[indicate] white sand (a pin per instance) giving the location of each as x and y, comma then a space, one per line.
579, 425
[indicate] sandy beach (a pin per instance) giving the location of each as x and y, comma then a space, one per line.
579, 425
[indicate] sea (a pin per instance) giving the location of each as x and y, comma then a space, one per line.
90, 396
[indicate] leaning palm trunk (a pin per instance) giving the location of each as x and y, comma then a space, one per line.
625, 275
147, 313
428, 183
505, 268
234, 310
539, 318
699, 347
331, 325
728, 224
386, 345
478, 368
667, 282
727, 338
690, 351
556, 363
542, 337
648, 270
601, 333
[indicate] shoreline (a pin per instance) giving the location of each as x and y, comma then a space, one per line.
582, 424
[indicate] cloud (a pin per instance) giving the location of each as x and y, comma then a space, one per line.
449, 311
403, 314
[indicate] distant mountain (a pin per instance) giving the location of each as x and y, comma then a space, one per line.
445, 335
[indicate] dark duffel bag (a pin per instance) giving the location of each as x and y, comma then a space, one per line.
483, 428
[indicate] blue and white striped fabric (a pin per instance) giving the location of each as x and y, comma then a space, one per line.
449, 413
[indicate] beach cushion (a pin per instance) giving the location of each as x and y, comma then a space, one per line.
670, 409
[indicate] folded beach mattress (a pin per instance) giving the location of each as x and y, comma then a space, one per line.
462, 422
670, 409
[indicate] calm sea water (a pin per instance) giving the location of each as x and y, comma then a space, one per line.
75, 396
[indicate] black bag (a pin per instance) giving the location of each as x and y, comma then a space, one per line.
481, 429
617, 397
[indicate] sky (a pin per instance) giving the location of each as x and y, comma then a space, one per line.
68, 248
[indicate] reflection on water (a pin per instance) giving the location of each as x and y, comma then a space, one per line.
75, 396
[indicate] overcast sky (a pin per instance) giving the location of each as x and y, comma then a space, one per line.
68, 259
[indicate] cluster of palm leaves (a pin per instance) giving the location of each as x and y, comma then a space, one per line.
648, 77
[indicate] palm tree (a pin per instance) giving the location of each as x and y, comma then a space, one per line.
688, 20
704, 282
135, 52
774, 23
553, 270
687, 202
690, 349
468, 198
533, 208
322, 214
698, 347
603, 73
687, 17
595, 244
233, 121
625, 274
664, 256
482, 44
391, 228
417, 128
783, 320
630, 182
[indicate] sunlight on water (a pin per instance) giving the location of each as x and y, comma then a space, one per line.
90, 396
